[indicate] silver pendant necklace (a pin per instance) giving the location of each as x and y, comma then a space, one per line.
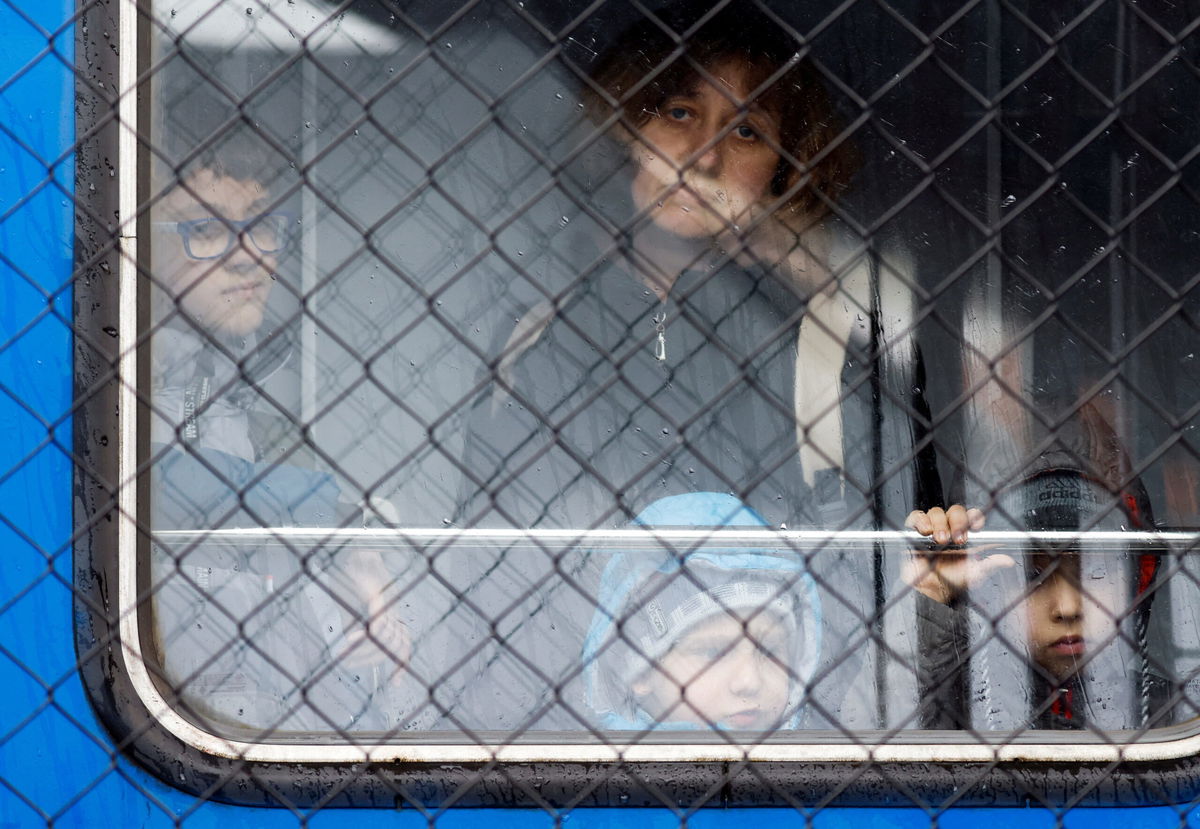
660, 342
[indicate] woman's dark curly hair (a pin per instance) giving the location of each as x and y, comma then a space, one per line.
646, 65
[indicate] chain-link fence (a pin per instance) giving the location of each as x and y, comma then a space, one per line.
690, 403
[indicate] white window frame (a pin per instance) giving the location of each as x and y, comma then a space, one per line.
906, 747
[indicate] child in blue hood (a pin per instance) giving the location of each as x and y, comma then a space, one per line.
724, 639
715, 640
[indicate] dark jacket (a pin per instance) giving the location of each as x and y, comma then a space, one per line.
583, 426
974, 667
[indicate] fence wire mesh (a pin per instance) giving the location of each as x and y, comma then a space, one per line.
628, 382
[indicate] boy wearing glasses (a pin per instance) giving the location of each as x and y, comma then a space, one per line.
219, 237
255, 632
221, 266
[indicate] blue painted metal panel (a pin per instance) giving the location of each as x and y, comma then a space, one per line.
36, 653
56, 764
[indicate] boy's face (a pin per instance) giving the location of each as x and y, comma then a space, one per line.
703, 161
1058, 608
723, 673
227, 294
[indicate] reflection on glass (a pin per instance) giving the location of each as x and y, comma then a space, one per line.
615, 294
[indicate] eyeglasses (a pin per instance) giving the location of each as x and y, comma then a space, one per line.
212, 236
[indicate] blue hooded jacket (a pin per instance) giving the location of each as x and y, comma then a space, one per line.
647, 602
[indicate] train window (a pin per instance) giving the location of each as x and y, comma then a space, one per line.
694, 381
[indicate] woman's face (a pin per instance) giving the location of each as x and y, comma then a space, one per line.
706, 156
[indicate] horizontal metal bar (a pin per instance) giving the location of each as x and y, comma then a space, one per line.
626, 538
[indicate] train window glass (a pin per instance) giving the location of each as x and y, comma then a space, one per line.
545, 376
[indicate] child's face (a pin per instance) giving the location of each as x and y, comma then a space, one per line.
702, 162
226, 294
724, 673
1057, 609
